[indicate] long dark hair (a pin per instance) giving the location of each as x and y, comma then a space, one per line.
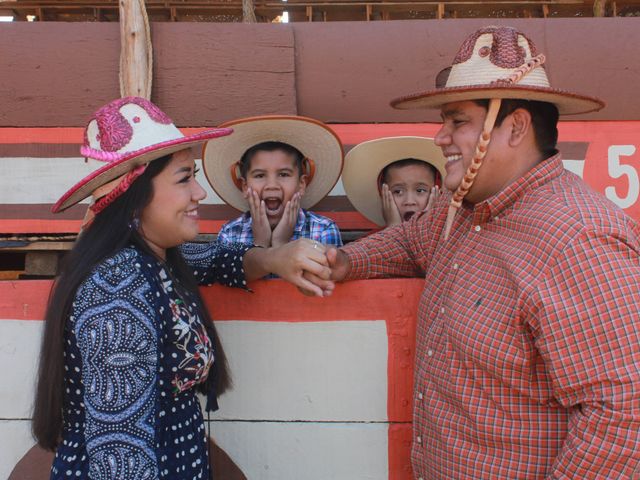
109, 232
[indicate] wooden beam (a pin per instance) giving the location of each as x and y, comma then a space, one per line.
136, 58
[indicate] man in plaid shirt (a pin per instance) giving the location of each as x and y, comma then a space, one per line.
528, 341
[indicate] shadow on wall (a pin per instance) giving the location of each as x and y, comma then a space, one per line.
36, 465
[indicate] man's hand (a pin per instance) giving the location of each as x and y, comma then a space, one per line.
390, 211
339, 264
259, 221
284, 230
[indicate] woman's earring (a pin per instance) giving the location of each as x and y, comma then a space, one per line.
134, 224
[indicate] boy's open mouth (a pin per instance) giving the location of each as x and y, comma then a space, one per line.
273, 205
408, 215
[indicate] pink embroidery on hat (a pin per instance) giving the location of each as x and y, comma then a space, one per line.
115, 132
505, 51
136, 119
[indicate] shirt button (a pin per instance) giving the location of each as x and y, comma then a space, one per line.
455, 266
419, 439
420, 478
430, 352
420, 396
442, 310
477, 228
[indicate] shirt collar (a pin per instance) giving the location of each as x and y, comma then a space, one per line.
542, 173
302, 219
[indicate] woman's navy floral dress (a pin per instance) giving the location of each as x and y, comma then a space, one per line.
135, 350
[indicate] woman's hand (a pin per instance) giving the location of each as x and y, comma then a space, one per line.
291, 262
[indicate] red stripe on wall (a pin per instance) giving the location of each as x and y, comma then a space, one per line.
400, 437
345, 221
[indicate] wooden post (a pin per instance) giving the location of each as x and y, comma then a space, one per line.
545, 10
440, 14
248, 12
599, 8
309, 11
369, 9
136, 58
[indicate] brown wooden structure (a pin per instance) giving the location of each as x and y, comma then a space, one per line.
317, 10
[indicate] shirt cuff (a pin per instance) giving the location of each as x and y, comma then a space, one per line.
358, 259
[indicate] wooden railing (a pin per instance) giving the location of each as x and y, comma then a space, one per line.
316, 10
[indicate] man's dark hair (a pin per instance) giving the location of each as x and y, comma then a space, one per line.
544, 117
245, 160
405, 162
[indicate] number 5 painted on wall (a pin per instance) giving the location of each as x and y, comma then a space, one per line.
616, 170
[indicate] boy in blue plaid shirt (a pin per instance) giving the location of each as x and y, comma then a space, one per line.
275, 179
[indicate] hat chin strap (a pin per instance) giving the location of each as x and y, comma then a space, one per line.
107, 193
483, 141
476, 163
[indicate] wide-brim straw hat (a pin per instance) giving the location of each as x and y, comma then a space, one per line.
364, 162
482, 67
315, 140
124, 134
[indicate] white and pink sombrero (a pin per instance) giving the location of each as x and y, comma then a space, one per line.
126, 134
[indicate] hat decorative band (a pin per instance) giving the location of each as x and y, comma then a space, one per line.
106, 194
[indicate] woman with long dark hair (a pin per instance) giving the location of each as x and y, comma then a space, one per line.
127, 340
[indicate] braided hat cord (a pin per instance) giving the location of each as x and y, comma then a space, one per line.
483, 141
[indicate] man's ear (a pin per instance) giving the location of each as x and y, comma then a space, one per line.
520, 126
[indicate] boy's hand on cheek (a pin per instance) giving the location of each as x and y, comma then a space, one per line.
434, 194
259, 221
390, 211
284, 230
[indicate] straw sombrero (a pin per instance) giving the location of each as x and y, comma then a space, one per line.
482, 68
494, 63
125, 134
317, 142
365, 161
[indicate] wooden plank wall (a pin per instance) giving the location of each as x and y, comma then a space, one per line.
55, 74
